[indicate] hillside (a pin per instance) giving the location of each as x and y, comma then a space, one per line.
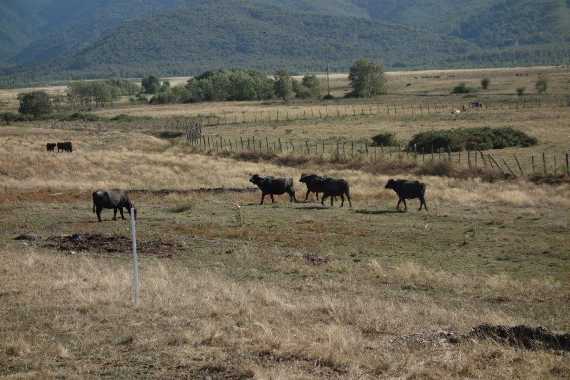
61, 39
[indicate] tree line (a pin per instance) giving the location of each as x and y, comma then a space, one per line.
367, 80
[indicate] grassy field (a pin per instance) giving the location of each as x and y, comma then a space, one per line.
234, 290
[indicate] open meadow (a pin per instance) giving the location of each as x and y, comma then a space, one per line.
234, 290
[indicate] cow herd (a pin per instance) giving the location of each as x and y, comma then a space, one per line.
334, 187
66, 146
328, 187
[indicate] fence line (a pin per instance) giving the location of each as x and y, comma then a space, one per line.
516, 164
394, 110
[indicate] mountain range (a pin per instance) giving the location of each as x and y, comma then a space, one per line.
63, 39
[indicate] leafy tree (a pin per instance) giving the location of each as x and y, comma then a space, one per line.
165, 86
485, 82
300, 90
541, 85
366, 79
313, 84
37, 103
151, 84
462, 88
283, 85
87, 93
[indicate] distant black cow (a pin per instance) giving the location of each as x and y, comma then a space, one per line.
50, 147
335, 187
65, 146
408, 190
274, 186
476, 105
111, 199
314, 184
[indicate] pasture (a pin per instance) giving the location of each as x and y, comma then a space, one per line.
234, 290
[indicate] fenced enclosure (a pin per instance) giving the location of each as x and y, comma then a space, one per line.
392, 110
515, 164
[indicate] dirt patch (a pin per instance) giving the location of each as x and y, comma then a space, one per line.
109, 244
522, 336
222, 372
551, 179
204, 190
315, 259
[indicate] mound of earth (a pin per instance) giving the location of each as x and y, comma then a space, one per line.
522, 336
105, 244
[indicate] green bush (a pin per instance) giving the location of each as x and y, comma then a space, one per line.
36, 103
80, 116
469, 139
384, 139
11, 117
462, 88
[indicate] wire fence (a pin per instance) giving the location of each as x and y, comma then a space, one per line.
516, 164
413, 110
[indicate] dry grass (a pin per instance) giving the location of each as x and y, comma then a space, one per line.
192, 323
236, 297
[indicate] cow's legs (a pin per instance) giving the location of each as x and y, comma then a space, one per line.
98, 211
405, 205
317, 194
423, 203
272, 199
307, 195
292, 197
262, 198
349, 201
115, 213
323, 198
398, 205
121, 211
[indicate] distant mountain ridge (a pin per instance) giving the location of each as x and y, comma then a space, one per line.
57, 39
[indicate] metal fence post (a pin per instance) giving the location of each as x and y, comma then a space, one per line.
135, 257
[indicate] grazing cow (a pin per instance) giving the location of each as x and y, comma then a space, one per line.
115, 199
335, 187
50, 147
314, 184
408, 190
65, 146
274, 186
476, 105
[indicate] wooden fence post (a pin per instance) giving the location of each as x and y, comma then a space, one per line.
545, 171
135, 256
568, 163
519, 165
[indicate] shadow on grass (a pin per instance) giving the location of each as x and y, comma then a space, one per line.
377, 212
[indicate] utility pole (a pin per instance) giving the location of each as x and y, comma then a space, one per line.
328, 83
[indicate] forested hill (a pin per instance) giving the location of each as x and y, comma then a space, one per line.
59, 39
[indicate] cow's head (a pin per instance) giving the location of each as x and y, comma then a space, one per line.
390, 185
255, 179
306, 178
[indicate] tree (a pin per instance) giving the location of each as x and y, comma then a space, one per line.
485, 82
313, 84
37, 103
283, 85
541, 85
366, 79
150, 84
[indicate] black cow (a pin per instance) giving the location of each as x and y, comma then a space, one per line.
408, 190
65, 146
115, 199
335, 187
50, 147
274, 186
314, 184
